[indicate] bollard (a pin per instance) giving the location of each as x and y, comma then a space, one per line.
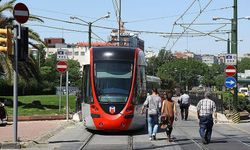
236, 117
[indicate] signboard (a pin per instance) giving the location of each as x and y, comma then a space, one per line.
230, 82
230, 59
21, 13
61, 66
62, 55
230, 70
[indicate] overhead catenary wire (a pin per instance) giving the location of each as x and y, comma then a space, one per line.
191, 23
99, 37
60, 20
132, 21
110, 28
58, 28
115, 5
172, 30
208, 34
166, 34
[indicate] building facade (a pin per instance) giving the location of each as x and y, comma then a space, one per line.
209, 59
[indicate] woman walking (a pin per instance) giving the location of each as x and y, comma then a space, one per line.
168, 113
154, 103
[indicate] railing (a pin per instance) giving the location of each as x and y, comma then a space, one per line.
196, 97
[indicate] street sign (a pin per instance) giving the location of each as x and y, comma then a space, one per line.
230, 70
21, 13
62, 55
61, 66
230, 59
230, 82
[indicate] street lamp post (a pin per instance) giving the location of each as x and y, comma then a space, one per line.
90, 25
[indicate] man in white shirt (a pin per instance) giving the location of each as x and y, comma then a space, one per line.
206, 111
184, 102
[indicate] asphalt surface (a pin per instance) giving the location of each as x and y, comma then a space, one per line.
69, 135
185, 137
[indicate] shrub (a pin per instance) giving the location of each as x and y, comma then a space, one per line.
228, 101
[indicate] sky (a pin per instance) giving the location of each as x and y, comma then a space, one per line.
146, 15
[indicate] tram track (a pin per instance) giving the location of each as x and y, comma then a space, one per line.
200, 145
235, 139
87, 141
130, 142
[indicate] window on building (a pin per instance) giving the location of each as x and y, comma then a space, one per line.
82, 53
76, 53
69, 53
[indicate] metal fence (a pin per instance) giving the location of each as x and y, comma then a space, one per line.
196, 97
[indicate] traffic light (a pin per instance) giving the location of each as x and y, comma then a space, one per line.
23, 48
6, 40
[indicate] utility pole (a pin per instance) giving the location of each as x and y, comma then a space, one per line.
119, 22
228, 44
234, 51
90, 24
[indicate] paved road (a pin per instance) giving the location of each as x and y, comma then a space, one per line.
185, 134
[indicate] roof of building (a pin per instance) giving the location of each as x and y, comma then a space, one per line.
185, 54
85, 44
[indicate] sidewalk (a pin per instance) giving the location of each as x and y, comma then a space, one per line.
221, 118
31, 131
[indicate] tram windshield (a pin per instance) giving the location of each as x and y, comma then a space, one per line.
113, 81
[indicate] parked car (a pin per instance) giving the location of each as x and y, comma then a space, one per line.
244, 90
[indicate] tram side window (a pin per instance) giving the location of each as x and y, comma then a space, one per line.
87, 88
143, 92
140, 89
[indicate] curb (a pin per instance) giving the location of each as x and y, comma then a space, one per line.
10, 145
38, 118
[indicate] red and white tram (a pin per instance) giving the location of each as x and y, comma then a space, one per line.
114, 89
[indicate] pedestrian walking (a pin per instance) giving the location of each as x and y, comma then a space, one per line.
168, 113
184, 102
153, 102
206, 112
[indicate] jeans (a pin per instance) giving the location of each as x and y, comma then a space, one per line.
206, 125
152, 124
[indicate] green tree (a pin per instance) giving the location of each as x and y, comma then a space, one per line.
155, 62
48, 70
74, 73
211, 74
184, 72
151, 66
7, 21
243, 65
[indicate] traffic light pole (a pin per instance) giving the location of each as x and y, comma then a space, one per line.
15, 84
234, 51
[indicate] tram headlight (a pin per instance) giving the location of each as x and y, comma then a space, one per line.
108, 54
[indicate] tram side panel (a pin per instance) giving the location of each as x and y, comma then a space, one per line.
87, 100
140, 93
